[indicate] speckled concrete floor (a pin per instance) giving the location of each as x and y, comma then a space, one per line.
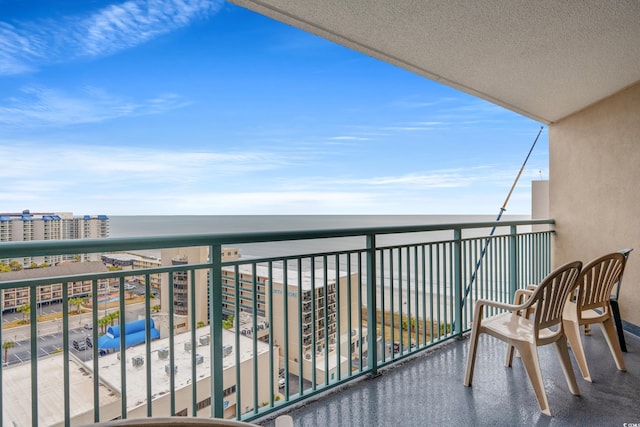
428, 390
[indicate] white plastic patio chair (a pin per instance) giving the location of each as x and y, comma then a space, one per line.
592, 305
526, 333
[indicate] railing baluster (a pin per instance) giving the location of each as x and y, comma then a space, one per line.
94, 351
372, 350
457, 279
147, 344
65, 352
192, 319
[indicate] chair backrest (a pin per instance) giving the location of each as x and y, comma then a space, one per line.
615, 294
597, 280
552, 293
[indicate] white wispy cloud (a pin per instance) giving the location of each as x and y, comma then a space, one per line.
39, 106
125, 163
25, 46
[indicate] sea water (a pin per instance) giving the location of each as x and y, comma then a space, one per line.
164, 225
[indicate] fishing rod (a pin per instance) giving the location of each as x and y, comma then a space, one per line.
502, 209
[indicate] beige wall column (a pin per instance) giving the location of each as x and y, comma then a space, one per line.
594, 159
540, 202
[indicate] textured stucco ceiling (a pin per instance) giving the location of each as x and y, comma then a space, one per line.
545, 59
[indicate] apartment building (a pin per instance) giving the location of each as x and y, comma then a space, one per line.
15, 297
129, 261
311, 305
28, 226
180, 283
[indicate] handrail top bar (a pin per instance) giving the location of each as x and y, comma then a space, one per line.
112, 244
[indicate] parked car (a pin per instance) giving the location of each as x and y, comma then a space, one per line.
79, 345
281, 383
88, 326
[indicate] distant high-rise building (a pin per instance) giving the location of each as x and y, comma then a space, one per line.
27, 226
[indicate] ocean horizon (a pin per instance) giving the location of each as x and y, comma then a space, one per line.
163, 225
170, 225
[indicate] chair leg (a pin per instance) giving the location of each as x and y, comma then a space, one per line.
471, 357
572, 331
508, 360
529, 357
615, 310
614, 345
569, 375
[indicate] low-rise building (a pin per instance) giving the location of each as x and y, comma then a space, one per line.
17, 404
12, 298
131, 261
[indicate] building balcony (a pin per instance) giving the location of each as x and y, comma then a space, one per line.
425, 315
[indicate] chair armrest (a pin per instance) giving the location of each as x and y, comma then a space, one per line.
522, 295
497, 304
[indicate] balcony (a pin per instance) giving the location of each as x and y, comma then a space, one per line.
415, 287
427, 389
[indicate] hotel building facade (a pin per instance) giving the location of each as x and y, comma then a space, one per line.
27, 226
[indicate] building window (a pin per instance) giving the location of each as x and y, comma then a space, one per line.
204, 403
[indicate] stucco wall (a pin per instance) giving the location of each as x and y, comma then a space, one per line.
594, 159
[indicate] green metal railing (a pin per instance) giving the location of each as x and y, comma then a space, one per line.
333, 316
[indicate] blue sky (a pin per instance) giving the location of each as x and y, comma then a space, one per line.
202, 107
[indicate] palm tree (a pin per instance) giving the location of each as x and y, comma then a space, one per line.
113, 316
78, 301
7, 345
25, 309
103, 322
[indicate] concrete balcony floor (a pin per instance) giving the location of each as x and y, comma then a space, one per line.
428, 390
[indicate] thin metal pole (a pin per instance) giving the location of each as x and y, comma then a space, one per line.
502, 210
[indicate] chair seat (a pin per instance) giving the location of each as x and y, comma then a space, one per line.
514, 328
586, 316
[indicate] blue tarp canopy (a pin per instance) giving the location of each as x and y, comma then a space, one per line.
134, 334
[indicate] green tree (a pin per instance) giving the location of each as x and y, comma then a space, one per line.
228, 322
25, 309
113, 316
77, 302
33, 265
15, 266
4, 268
156, 308
7, 345
103, 322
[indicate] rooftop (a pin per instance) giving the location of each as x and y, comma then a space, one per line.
278, 276
17, 403
136, 376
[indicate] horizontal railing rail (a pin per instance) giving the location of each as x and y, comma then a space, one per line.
244, 337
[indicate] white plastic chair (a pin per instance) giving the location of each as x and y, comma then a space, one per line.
526, 333
591, 304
